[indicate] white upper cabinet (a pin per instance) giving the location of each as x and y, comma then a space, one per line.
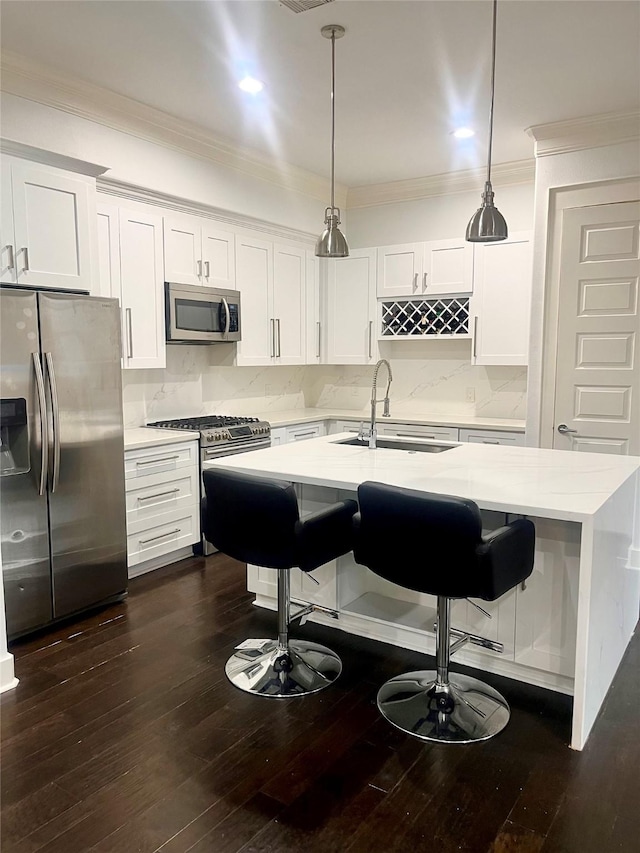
271, 278
198, 252
48, 226
501, 300
351, 308
425, 269
131, 270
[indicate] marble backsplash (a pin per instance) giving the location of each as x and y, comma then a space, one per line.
428, 376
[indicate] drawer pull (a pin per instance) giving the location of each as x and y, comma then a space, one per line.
158, 495
161, 536
413, 435
159, 460
486, 441
297, 435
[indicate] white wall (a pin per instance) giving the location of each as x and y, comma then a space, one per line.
571, 169
137, 161
435, 218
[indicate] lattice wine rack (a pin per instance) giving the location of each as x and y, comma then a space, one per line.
425, 318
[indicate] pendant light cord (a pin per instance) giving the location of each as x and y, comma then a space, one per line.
333, 117
493, 82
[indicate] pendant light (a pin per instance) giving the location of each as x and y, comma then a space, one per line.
487, 224
332, 243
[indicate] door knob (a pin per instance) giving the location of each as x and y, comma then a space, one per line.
563, 429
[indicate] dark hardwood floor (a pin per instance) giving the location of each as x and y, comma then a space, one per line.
124, 735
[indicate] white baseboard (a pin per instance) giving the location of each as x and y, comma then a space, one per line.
7, 678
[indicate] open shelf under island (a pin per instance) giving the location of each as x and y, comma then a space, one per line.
566, 630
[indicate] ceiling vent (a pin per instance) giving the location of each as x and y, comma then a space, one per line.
303, 5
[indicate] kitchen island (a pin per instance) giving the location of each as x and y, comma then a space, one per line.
565, 630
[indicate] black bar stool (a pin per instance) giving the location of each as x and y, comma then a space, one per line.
257, 520
434, 544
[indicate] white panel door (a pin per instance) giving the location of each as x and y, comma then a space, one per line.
53, 217
183, 249
254, 280
501, 300
218, 257
597, 393
7, 239
448, 267
289, 304
400, 269
351, 336
142, 279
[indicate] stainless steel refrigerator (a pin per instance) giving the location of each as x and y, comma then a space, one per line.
62, 496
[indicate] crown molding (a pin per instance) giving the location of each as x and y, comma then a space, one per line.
36, 82
467, 180
132, 192
50, 158
561, 137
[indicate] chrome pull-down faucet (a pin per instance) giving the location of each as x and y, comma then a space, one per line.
385, 412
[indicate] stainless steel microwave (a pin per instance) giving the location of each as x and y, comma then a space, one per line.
201, 315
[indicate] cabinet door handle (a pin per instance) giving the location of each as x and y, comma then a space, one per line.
278, 338
475, 336
207, 268
157, 495
127, 312
424, 280
161, 536
158, 460
44, 427
25, 252
199, 269
318, 351
11, 262
415, 281
370, 338
273, 337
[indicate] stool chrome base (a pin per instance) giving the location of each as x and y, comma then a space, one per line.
297, 670
463, 711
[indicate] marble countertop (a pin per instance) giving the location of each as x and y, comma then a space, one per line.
301, 416
526, 480
138, 437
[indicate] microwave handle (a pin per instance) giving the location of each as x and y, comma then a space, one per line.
227, 313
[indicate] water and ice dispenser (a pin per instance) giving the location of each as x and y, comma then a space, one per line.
14, 436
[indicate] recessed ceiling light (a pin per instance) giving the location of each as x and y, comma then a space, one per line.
464, 133
251, 85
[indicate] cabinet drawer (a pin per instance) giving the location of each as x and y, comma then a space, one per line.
489, 436
303, 432
345, 426
167, 532
153, 460
147, 497
418, 431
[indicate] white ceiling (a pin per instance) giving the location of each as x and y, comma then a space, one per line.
408, 72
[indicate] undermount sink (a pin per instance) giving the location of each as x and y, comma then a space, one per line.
398, 444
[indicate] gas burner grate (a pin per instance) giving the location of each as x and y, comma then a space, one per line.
425, 318
204, 422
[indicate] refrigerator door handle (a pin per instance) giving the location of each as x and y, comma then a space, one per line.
55, 422
44, 429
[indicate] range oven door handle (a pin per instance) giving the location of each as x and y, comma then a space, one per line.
44, 427
55, 422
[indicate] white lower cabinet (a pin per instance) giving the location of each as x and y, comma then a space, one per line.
303, 432
278, 436
489, 436
163, 503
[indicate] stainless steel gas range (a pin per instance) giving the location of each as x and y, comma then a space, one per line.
222, 435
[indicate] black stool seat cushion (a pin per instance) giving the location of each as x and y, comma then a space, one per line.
257, 520
433, 543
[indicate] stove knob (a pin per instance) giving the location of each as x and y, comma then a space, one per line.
209, 437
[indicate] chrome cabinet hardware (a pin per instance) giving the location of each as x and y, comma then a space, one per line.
273, 337
157, 495
127, 312
161, 536
199, 268
44, 428
424, 281
207, 269
11, 262
475, 336
413, 435
278, 336
318, 351
563, 429
25, 252
55, 422
415, 281
158, 460
370, 338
